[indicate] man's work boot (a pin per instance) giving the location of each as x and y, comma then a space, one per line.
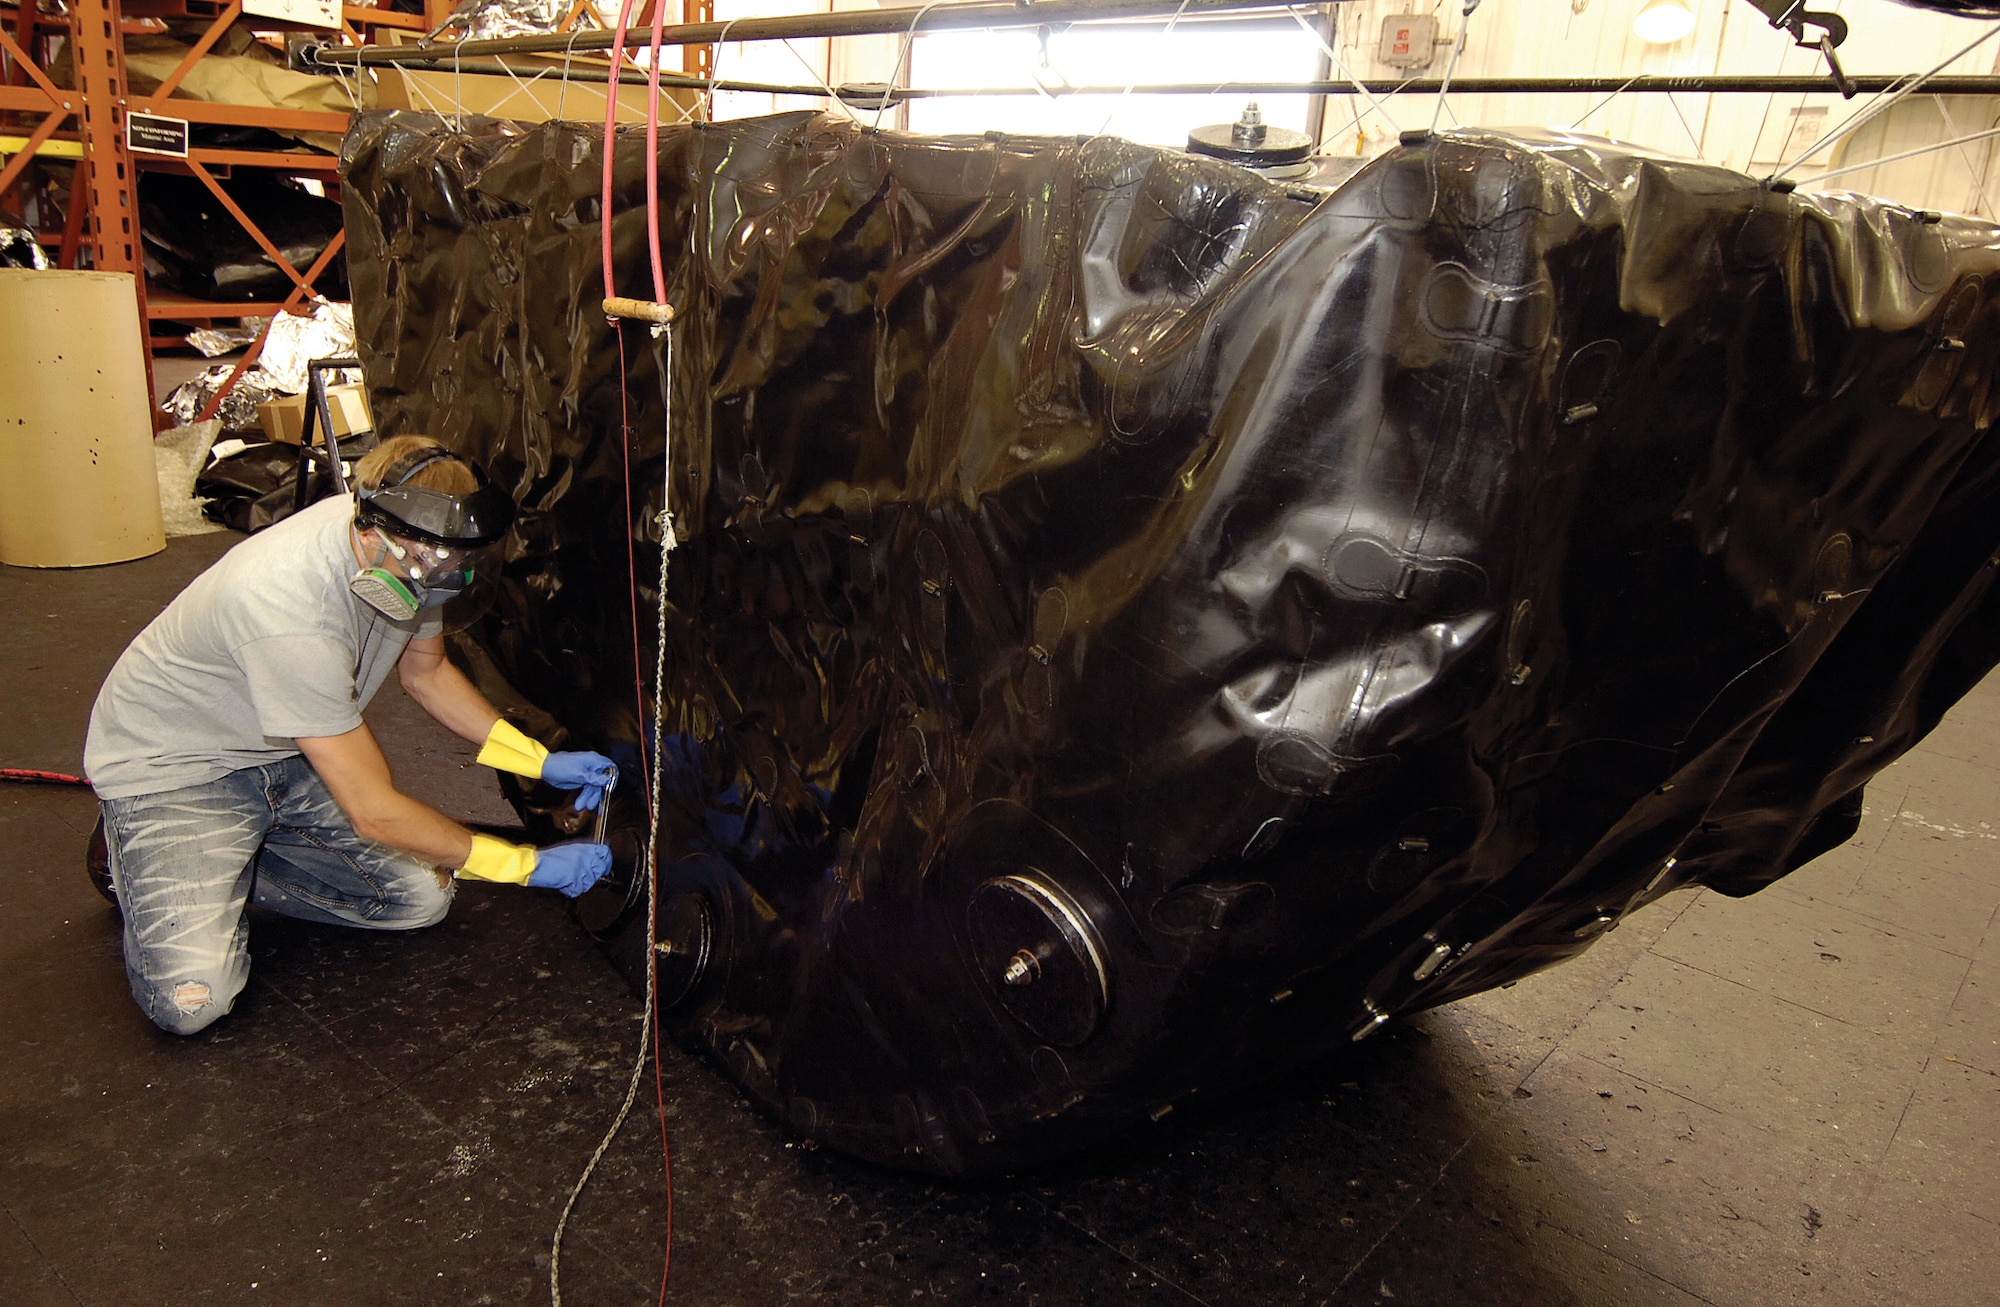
98, 863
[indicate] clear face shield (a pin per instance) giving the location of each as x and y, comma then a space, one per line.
437, 573
431, 547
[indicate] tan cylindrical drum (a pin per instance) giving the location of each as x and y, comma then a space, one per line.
77, 479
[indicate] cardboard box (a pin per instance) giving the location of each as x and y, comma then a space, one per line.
284, 419
528, 98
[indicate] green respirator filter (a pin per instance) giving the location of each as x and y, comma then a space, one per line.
385, 593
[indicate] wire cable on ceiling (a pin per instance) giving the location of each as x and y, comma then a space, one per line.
1457, 48
903, 59
1126, 95
1880, 105
1333, 56
1978, 176
825, 86
1921, 150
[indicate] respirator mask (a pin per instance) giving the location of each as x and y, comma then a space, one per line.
433, 545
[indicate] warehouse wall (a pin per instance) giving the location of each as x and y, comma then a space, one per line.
1751, 133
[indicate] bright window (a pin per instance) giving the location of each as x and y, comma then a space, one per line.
1197, 51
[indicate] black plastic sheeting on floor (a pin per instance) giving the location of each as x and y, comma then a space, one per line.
255, 487
1136, 625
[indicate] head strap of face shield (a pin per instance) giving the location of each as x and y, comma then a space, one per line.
418, 513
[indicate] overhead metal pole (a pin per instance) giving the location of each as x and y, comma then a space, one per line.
1971, 84
876, 22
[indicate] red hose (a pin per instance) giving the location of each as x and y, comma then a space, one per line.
28, 776
610, 132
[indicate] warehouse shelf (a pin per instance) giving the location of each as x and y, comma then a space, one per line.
84, 127
62, 125
219, 160
173, 306
368, 15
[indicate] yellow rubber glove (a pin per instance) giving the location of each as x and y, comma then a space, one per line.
590, 775
497, 860
506, 749
568, 868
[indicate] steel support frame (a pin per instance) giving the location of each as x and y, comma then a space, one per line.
163, 101
109, 176
256, 233
108, 218
29, 90
698, 60
293, 304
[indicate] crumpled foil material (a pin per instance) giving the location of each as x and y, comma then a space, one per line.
216, 341
20, 249
295, 341
239, 406
483, 19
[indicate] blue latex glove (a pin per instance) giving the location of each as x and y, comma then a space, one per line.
570, 868
591, 774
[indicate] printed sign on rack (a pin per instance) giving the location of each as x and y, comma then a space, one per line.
313, 13
147, 133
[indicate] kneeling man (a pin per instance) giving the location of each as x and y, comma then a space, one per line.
229, 754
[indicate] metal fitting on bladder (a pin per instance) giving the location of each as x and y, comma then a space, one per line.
1249, 131
1022, 969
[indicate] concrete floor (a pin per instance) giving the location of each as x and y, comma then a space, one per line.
1789, 1099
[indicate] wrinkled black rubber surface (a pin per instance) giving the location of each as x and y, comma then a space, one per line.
1291, 606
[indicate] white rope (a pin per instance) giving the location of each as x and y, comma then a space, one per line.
1770, 103
902, 59
569, 57
817, 76
527, 87
1989, 134
1333, 56
714, 72
1880, 105
1457, 47
1606, 100
431, 104
1696, 140
348, 80
667, 542
1978, 177
1126, 95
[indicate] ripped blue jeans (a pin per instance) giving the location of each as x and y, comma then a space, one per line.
186, 862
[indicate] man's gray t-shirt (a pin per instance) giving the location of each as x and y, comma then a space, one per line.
266, 647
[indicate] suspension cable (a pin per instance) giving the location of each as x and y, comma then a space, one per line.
1875, 108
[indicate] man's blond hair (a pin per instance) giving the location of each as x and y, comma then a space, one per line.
450, 476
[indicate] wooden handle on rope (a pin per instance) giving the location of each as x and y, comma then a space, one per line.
618, 306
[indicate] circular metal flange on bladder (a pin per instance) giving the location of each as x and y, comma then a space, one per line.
1039, 956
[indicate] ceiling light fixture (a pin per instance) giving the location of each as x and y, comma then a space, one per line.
1663, 22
